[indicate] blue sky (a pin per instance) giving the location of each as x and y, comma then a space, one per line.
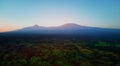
16, 14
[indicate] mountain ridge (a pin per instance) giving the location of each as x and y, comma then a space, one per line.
67, 26
69, 30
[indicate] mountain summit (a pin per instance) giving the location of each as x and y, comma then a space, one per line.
70, 25
36, 26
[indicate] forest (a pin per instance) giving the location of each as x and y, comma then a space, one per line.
36, 51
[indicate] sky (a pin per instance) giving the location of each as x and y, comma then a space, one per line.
16, 14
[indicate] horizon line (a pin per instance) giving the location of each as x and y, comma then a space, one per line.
55, 27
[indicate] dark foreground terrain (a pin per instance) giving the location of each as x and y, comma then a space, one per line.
31, 50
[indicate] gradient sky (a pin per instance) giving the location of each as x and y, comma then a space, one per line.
15, 14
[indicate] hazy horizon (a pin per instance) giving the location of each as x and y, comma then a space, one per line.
16, 14
57, 26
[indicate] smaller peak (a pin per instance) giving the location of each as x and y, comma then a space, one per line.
36, 25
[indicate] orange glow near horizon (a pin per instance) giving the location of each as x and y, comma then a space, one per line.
6, 28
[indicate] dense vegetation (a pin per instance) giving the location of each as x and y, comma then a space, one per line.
58, 50
59, 53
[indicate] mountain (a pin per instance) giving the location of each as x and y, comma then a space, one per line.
66, 28
70, 29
